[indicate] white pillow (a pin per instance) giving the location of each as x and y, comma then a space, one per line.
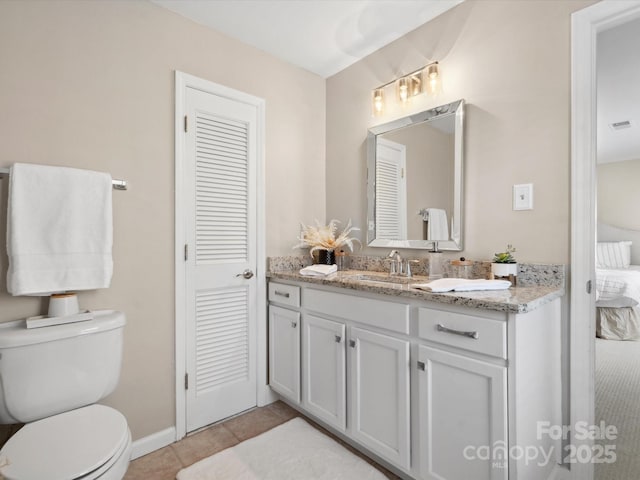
613, 254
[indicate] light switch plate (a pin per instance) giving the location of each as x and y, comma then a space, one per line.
523, 196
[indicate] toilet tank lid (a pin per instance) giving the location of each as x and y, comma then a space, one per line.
16, 334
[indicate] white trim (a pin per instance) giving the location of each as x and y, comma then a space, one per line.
585, 25
180, 273
182, 82
153, 442
559, 473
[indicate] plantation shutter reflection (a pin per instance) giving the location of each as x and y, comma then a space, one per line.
387, 208
221, 189
391, 190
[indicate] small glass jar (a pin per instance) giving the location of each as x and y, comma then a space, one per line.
342, 260
462, 268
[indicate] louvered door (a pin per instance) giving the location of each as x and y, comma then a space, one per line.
221, 245
391, 190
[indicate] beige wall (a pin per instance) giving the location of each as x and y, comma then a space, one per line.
510, 61
618, 194
91, 85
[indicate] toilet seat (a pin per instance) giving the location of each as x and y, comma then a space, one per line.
81, 444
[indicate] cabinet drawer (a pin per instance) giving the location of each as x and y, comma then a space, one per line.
284, 294
377, 313
482, 335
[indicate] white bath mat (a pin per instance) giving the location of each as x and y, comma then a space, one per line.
292, 451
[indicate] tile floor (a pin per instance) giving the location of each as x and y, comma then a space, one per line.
165, 463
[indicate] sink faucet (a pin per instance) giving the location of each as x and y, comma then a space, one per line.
400, 267
396, 263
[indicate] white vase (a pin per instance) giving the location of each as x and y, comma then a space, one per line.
504, 269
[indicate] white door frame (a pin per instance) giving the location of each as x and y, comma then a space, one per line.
585, 25
264, 395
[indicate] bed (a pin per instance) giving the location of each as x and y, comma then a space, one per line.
617, 285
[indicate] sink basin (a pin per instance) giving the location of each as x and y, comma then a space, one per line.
381, 278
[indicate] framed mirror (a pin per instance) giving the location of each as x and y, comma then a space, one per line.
415, 180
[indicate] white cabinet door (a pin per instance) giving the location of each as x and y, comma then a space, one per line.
462, 417
324, 370
379, 394
284, 352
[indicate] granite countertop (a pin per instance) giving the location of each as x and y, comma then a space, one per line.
514, 300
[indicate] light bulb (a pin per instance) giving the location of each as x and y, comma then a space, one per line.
378, 101
403, 90
434, 84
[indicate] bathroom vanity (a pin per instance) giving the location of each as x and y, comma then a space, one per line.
437, 386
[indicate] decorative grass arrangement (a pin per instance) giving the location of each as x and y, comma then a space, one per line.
323, 237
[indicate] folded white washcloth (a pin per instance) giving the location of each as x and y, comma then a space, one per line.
462, 285
318, 270
59, 230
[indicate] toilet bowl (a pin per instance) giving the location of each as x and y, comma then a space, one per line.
89, 443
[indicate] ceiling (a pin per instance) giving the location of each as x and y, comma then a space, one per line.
618, 77
322, 36
326, 36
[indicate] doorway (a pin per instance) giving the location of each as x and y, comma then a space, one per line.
617, 343
585, 26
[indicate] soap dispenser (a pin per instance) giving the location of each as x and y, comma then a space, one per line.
435, 262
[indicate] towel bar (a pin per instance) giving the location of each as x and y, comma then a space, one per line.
117, 184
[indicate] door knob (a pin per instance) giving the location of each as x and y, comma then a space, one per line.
246, 274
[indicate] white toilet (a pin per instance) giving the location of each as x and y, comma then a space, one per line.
50, 378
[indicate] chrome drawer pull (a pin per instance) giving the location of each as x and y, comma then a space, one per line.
473, 335
352, 343
338, 338
422, 366
282, 294
294, 324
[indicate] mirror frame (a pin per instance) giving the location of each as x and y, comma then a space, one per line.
455, 109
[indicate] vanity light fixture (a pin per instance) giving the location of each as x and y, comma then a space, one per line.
424, 79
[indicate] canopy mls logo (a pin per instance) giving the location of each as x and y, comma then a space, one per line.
583, 431
499, 454
541, 455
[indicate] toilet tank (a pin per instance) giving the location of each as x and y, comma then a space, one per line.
49, 370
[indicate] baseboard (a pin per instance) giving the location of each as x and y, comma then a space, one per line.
266, 396
153, 442
165, 437
560, 473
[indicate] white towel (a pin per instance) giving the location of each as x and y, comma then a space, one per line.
319, 270
59, 230
462, 285
437, 226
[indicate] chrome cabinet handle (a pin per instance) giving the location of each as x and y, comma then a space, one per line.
294, 324
352, 343
422, 366
282, 294
338, 338
442, 328
246, 274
